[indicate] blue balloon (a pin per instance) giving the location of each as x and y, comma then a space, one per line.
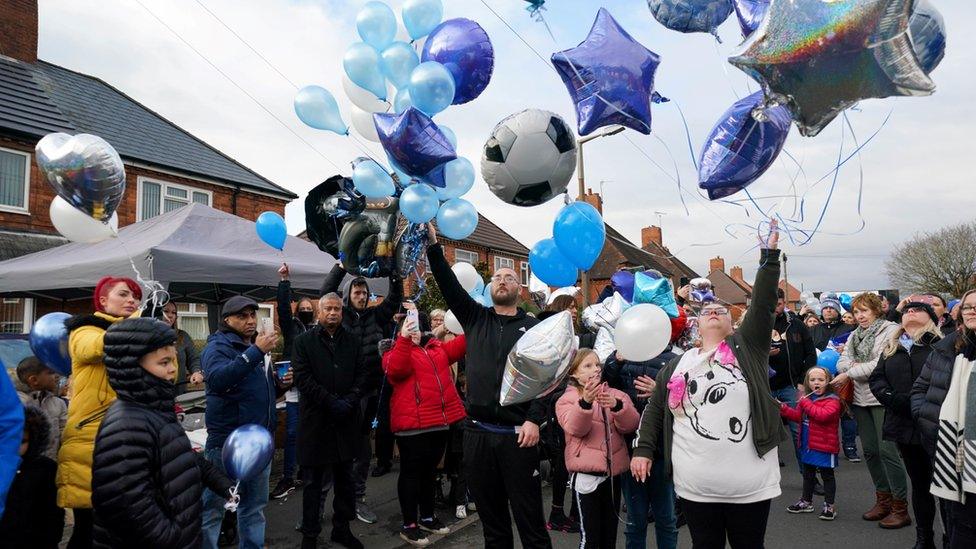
49, 342
827, 359
362, 64
656, 291
377, 24
317, 108
398, 61
272, 230
750, 14
463, 47
458, 178
247, 451
928, 35
740, 148
845, 301
431, 87
610, 77
418, 203
550, 265
401, 101
579, 232
421, 16
403, 176
483, 300
371, 179
623, 284
457, 219
691, 15
449, 134
413, 141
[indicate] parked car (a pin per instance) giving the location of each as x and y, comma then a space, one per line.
13, 349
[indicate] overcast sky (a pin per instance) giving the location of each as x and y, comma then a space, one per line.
917, 172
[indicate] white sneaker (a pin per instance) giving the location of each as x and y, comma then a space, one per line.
461, 512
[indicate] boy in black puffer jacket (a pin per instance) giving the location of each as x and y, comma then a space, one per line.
146, 480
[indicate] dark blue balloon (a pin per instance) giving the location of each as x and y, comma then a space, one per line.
579, 232
49, 342
827, 360
623, 284
247, 451
740, 148
750, 14
690, 15
463, 47
414, 142
550, 265
610, 77
845, 301
928, 35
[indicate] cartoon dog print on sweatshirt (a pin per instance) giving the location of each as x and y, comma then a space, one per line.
708, 393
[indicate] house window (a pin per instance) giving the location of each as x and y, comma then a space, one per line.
14, 180
465, 256
192, 318
524, 272
158, 197
504, 263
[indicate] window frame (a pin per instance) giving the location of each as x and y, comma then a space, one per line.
495, 262
163, 185
27, 172
476, 255
526, 272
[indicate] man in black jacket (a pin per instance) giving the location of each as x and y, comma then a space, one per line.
831, 326
369, 325
500, 455
791, 353
330, 374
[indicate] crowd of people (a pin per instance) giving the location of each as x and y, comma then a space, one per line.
691, 436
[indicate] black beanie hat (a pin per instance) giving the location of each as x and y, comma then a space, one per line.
925, 307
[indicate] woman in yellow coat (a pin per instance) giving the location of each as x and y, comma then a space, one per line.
91, 395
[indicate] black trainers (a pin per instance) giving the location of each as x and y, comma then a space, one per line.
828, 512
381, 469
345, 538
851, 455
434, 526
558, 522
801, 507
412, 535
284, 487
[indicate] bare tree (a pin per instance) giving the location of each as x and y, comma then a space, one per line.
943, 261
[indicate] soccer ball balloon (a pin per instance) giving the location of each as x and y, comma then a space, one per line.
529, 158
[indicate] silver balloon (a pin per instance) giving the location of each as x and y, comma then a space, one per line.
539, 361
604, 347
84, 170
701, 290
605, 314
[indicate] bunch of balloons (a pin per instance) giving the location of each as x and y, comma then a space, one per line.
578, 237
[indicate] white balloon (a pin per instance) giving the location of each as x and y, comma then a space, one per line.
806, 296
363, 122
467, 275
452, 324
642, 332
77, 226
363, 98
571, 291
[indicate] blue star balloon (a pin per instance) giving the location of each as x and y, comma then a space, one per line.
657, 291
414, 142
750, 14
928, 35
610, 77
741, 147
819, 58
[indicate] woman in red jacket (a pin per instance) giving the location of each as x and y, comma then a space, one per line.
423, 405
818, 413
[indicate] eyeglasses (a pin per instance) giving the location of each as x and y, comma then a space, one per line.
968, 310
715, 311
507, 279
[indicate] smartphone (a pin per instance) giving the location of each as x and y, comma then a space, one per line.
282, 368
922, 299
414, 317
267, 325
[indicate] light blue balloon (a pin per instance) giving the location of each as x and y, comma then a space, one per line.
398, 61
449, 134
484, 301
403, 176
457, 219
487, 291
431, 87
377, 24
372, 180
401, 101
317, 108
418, 203
272, 230
362, 64
579, 232
458, 178
421, 16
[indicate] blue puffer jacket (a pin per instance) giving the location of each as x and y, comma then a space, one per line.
622, 374
240, 389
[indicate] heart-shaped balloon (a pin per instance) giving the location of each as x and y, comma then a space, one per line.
84, 170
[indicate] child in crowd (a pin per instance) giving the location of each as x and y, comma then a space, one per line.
32, 519
818, 413
39, 386
595, 419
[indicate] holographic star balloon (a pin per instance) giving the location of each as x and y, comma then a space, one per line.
610, 77
818, 58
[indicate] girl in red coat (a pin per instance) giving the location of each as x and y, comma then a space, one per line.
818, 413
423, 405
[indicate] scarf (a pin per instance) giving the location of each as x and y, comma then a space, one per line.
862, 341
955, 445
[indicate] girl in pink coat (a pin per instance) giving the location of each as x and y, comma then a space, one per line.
595, 419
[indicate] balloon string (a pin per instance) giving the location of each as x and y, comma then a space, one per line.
725, 69
155, 292
234, 499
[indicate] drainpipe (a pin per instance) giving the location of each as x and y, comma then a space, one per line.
233, 199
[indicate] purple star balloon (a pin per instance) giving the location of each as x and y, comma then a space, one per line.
610, 77
413, 141
750, 13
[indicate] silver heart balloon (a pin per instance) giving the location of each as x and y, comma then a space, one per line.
605, 314
539, 361
84, 170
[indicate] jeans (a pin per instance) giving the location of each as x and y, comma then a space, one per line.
291, 437
744, 524
788, 395
658, 494
848, 431
884, 463
250, 510
961, 523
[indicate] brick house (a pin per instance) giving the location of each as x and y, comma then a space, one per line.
729, 287
166, 167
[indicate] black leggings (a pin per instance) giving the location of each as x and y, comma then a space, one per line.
710, 523
598, 514
419, 456
810, 478
560, 482
918, 464
81, 535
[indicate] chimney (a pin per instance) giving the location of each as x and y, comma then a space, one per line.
594, 199
651, 234
18, 29
716, 264
736, 273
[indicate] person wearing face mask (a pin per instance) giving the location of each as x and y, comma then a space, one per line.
115, 299
188, 361
147, 481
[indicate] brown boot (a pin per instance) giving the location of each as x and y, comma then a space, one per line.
882, 507
899, 515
